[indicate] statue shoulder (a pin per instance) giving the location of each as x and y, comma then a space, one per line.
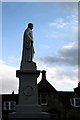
28, 30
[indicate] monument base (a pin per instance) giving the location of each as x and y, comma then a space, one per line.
29, 116
28, 109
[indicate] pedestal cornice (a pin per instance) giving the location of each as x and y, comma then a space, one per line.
19, 72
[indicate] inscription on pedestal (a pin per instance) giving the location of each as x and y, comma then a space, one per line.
28, 90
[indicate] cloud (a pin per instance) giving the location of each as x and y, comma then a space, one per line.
63, 28
68, 55
62, 70
67, 22
8, 80
59, 78
59, 23
67, 29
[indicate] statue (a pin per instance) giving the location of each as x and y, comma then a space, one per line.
28, 49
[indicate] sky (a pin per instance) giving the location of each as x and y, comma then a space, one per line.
55, 42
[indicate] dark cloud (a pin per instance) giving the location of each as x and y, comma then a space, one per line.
68, 55
60, 61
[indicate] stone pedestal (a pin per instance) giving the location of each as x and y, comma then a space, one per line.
28, 107
29, 116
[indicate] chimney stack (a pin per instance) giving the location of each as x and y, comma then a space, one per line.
79, 84
43, 75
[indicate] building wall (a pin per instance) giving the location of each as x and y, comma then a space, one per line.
55, 106
73, 114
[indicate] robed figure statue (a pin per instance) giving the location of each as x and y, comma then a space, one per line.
28, 49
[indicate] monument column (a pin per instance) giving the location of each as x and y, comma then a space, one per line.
28, 107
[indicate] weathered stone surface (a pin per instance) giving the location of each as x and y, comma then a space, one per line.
28, 66
30, 116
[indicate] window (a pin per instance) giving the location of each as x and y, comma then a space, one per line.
75, 102
9, 105
43, 98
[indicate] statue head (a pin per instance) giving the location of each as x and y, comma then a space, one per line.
30, 25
